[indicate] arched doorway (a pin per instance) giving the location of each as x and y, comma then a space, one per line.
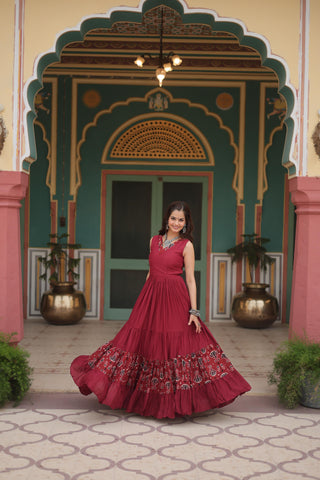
227, 78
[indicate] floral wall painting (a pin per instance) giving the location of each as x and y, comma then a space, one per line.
279, 107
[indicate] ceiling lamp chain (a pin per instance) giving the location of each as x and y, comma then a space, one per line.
166, 62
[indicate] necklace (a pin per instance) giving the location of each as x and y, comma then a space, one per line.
167, 243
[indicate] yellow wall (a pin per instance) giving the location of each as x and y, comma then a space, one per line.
6, 78
314, 86
277, 20
63, 14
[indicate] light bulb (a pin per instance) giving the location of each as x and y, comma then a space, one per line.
161, 75
176, 60
167, 67
139, 61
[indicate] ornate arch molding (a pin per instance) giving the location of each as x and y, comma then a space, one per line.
194, 15
187, 126
163, 136
51, 173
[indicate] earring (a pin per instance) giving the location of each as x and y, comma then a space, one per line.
184, 229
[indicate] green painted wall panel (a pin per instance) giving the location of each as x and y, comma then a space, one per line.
224, 197
273, 201
39, 196
63, 149
251, 154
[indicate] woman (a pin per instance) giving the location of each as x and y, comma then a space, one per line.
164, 362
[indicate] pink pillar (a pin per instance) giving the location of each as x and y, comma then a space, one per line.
305, 298
13, 187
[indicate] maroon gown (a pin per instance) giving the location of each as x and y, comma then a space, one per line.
157, 365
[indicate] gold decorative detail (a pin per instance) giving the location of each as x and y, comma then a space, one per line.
158, 102
50, 177
39, 100
279, 107
224, 101
38, 285
222, 286
158, 139
88, 281
237, 183
265, 185
91, 98
272, 275
316, 139
248, 274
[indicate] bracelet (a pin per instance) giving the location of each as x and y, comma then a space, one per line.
196, 313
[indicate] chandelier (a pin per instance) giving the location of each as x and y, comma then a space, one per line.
166, 62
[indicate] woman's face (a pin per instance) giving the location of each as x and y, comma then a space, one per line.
176, 222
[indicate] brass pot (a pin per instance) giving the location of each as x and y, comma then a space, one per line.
63, 305
254, 307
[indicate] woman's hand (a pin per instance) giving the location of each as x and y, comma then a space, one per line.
196, 321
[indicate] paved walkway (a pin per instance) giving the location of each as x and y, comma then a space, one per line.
57, 434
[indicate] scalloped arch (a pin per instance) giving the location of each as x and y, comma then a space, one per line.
195, 15
174, 140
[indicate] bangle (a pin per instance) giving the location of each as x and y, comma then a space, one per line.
196, 313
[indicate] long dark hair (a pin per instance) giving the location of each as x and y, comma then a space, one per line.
179, 205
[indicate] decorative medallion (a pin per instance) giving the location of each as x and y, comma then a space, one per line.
224, 101
91, 98
158, 102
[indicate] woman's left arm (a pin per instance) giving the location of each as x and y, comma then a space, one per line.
189, 262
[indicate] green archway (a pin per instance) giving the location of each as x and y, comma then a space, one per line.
135, 15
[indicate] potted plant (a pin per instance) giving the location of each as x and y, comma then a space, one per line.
15, 372
59, 259
296, 373
253, 307
62, 305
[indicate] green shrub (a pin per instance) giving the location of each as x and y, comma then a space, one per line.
15, 372
296, 360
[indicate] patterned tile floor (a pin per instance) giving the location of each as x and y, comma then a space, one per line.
57, 434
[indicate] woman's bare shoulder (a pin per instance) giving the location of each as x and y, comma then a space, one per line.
188, 247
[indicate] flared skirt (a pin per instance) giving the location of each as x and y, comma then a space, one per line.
157, 365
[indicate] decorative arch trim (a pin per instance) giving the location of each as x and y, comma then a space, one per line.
158, 136
207, 16
51, 173
237, 184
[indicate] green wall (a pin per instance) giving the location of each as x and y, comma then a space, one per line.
202, 101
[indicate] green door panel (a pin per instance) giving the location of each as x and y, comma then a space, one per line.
134, 209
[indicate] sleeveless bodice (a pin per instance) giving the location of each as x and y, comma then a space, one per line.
166, 261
